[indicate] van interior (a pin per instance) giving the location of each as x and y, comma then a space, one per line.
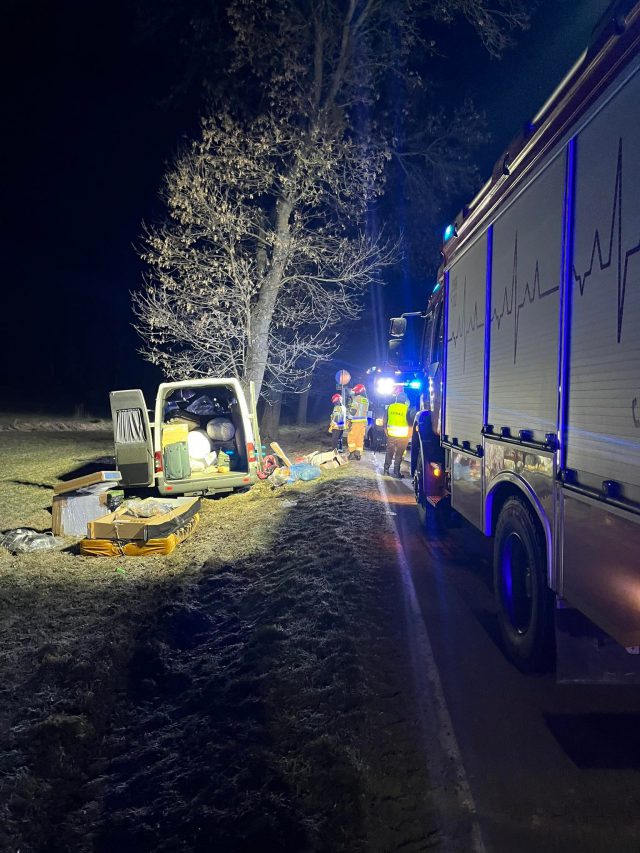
202, 433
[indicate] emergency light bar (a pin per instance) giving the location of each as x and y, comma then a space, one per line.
386, 385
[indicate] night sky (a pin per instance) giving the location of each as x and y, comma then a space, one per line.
86, 140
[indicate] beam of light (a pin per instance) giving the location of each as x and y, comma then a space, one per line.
385, 385
405, 498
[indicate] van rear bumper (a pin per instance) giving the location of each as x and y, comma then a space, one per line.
218, 483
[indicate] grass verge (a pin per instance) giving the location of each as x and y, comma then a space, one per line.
248, 689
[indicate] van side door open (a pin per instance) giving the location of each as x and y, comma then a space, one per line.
132, 437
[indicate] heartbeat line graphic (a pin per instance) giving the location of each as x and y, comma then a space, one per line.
615, 240
464, 327
511, 303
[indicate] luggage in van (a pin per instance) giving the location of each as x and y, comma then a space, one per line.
150, 443
175, 451
179, 416
176, 461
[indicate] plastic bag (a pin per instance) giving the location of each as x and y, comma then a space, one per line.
221, 429
304, 471
203, 406
22, 540
281, 476
148, 508
199, 444
182, 394
300, 471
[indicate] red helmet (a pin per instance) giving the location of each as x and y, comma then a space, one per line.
336, 398
358, 389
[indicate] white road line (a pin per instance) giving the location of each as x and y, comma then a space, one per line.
424, 662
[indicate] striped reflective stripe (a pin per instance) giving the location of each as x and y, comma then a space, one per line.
398, 431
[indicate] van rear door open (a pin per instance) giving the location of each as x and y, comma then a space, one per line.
132, 437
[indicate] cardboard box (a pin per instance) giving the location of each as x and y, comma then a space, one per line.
70, 513
90, 484
121, 526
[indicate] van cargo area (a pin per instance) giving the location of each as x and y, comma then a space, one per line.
201, 440
202, 428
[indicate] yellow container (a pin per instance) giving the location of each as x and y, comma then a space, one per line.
151, 548
173, 433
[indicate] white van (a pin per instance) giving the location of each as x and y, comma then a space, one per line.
206, 417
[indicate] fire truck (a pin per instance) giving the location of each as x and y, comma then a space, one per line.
530, 419
384, 383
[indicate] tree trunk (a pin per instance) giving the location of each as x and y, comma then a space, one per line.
303, 402
270, 426
258, 348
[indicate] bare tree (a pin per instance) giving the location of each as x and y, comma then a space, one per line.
255, 267
265, 249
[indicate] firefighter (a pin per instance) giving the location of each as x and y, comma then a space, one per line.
357, 421
397, 429
337, 421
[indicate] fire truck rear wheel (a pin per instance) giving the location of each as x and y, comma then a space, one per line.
429, 518
524, 603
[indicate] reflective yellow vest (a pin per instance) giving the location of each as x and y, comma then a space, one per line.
397, 426
358, 408
338, 416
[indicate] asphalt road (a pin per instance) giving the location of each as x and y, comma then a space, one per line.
532, 765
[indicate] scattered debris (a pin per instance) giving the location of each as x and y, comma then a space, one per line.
137, 520
269, 465
300, 471
280, 453
305, 467
142, 528
158, 546
327, 458
83, 499
22, 540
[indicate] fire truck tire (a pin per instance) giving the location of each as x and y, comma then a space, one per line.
524, 602
429, 519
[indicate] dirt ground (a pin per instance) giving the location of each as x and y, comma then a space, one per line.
249, 691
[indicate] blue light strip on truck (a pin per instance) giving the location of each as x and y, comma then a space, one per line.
487, 327
443, 381
567, 288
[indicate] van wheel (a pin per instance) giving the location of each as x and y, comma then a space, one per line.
525, 604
